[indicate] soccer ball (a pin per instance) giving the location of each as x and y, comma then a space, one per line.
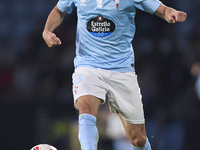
43, 147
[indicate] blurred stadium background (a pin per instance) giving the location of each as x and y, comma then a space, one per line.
36, 103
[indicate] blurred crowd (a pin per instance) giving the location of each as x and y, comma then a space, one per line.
36, 102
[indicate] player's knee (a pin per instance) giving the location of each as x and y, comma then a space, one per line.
138, 141
88, 105
84, 108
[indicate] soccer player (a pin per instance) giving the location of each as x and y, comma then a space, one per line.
104, 62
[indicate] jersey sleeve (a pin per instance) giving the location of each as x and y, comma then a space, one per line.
65, 5
149, 6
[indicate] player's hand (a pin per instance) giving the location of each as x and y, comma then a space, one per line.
177, 16
50, 38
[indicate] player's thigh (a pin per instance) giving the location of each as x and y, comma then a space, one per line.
88, 104
133, 131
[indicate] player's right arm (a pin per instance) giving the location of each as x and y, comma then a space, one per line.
54, 19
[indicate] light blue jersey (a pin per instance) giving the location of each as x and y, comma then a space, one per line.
105, 30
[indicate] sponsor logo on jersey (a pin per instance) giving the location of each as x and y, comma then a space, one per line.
100, 26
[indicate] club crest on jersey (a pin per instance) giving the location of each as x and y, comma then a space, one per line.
117, 3
100, 26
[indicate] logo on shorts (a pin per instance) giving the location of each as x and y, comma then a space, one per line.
100, 26
142, 116
75, 89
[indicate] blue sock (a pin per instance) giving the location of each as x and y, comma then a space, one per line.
146, 147
88, 133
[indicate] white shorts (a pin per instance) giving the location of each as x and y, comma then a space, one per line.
122, 91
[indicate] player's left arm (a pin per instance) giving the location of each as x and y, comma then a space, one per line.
170, 15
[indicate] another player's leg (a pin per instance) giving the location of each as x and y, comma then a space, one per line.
88, 134
136, 134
